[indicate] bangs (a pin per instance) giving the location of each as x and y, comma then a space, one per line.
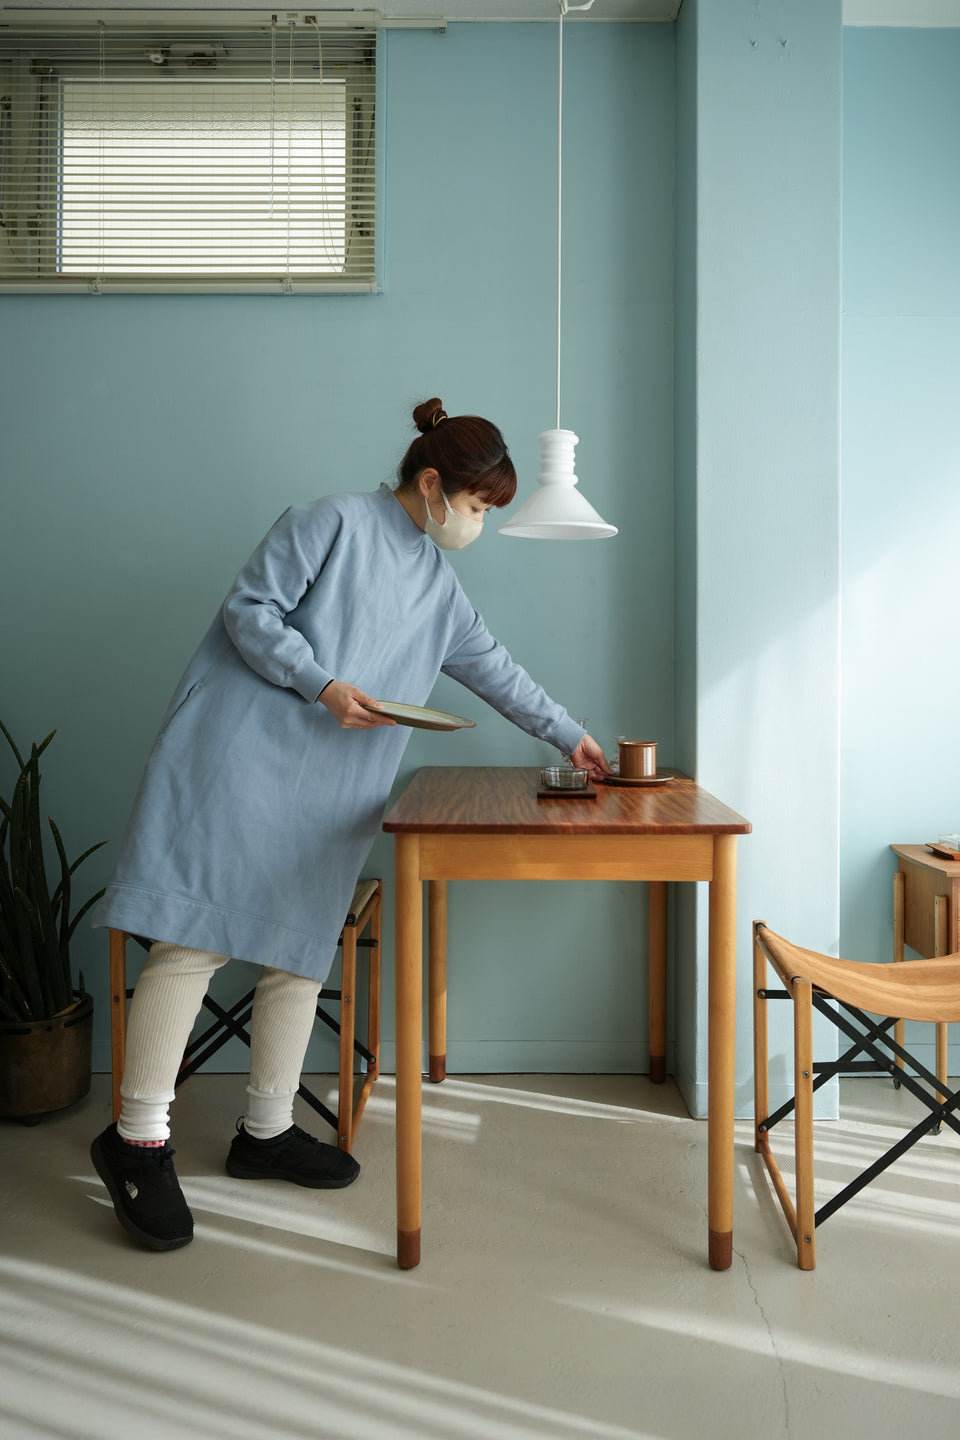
498, 486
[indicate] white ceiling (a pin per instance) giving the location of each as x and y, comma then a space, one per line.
402, 10
909, 13
855, 12
918, 14
526, 9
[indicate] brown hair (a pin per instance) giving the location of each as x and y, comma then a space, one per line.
468, 454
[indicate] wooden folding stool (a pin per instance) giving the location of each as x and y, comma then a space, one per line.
365, 915
865, 1002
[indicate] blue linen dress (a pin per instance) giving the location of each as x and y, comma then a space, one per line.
256, 810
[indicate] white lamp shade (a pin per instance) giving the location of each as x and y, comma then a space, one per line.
557, 510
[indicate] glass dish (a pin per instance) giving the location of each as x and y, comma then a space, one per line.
564, 777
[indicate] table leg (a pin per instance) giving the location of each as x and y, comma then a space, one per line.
657, 963
898, 933
722, 1042
437, 982
118, 1013
408, 901
348, 1025
941, 932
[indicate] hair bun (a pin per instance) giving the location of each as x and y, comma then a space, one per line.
429, 414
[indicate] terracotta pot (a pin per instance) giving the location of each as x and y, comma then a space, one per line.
45, 1065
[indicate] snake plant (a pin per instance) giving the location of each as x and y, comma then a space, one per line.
36, 926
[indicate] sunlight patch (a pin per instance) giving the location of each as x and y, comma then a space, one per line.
697, 1328
552, 1104
233, 1376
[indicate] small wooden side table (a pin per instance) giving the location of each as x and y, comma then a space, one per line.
926, 916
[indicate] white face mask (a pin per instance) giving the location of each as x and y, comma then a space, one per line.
456, 531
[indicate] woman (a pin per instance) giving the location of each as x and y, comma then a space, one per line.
267, 783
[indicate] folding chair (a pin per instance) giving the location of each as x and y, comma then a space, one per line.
849, 994
365, 915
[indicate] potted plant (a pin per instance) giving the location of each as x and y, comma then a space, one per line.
46, 1023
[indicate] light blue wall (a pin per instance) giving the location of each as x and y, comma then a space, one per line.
683, 1008
901, 462
146, 444
757, 484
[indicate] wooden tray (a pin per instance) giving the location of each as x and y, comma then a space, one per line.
545, 792
942, 852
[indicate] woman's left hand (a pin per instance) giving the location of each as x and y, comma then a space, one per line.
589, 755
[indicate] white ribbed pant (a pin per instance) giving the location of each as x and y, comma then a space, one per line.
165, 1004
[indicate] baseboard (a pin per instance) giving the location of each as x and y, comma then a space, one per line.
826, 1101
470, 1057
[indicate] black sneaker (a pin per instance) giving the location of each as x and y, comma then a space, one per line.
294, 1156
145, 1191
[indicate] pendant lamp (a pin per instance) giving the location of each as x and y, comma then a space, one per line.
557, 510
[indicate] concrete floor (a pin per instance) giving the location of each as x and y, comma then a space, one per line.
563, 1294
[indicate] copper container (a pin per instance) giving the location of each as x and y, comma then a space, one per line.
638, 759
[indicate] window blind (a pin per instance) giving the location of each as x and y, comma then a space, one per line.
176, 151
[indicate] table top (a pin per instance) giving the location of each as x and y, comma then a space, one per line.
502, 799
920, 855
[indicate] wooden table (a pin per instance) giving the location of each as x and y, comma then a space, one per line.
926, 916
486, 823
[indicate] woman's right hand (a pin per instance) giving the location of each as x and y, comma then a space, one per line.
346, 705
589, 755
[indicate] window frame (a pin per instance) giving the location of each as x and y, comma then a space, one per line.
147, 27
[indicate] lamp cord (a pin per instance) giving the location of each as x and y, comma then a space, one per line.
564, 6
559, 192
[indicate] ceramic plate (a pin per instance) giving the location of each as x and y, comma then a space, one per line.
642, 780
419, 717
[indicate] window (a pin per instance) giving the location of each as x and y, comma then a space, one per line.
167, 151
